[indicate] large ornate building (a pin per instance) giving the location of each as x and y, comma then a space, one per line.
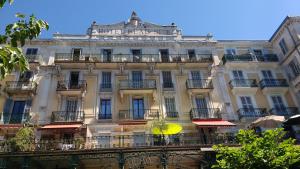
95, 96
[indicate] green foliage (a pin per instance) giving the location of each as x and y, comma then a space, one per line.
269, 151
24, 139
16, 34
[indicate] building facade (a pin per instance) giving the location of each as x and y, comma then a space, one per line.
95, 97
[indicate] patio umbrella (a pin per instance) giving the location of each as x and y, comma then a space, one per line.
293, 120
167, 129
271, 121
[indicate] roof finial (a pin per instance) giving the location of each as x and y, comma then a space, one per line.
134, 19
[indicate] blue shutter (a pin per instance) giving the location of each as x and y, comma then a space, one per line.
6, 110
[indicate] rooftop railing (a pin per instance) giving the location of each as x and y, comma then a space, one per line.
205, 113
243, 83
138, 58
273, 83
249, 58
142, 84
67, 116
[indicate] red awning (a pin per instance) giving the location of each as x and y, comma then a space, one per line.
61, 126
214, 123
10, 126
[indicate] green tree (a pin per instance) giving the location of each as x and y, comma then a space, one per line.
24, 139
11, 55
268, 151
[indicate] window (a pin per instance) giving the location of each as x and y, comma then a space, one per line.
267, 74
137, 79
25, 76
230, 51
74, 80
106, 81
17, 111
295, 67
167, 79
107, 55
71, 105
246, 103
257, 52
192, 54
105, 109
238, 74
201, 107
278, 102
196, 79
283, 46
137, 55
164, 54
76, 54
31, 51
138, 108
170, 107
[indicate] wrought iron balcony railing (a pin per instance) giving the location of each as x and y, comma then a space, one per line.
21, 86
199, 84
138, 114
105, 87
104, 116
67, 116
284, 111
172, 114
251, 112
120, 141
143, 84
71, 85
273, 83
33, 58
138, 58
249, 58
168, 86
205, 113
243, 83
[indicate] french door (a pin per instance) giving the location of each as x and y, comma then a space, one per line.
196, 79
137, 79
17, 112
138, 108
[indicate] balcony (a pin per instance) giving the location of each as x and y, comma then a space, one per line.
69, 57
251, 113
105, 87
67, 116
168, 86
243, 86
205, 113
146, 86
172, 115
33, 58
138, 115
20, 87
274, 85
199, 86
69, 87
284, 111
247, 60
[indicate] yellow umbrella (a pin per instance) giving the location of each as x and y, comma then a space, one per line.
167, 129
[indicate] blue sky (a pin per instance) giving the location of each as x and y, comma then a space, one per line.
226, 19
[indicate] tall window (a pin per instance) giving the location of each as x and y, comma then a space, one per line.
31, 51
167, 79
139, 139
17, 111
137, 55
138, 108
137, 79
25, 76
196, 78
278, 102
74, 80
246, 103
105, 109
283, 46
103, 141
238, 77
164, 54
106, 81
76, 53
192, 54
170, 107
295, 67
107, 55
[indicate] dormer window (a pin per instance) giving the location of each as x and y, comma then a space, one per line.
31, 51
76, 54
230, 51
